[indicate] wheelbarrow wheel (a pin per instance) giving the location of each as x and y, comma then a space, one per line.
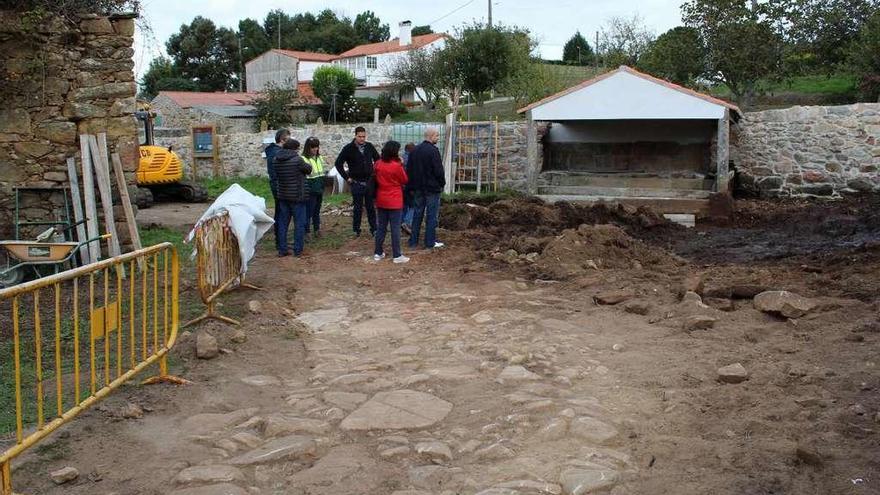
12, 277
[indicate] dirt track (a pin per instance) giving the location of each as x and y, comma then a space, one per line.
548, 389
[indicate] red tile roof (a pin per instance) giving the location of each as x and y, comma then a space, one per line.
307, 94
391, 46
307, 56
636, 73
188, 99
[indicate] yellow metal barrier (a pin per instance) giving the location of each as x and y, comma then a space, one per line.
218, 262
90, 318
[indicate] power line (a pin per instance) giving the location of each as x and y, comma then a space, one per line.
451, 12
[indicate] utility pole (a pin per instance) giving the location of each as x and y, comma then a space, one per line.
490, 13
279, 29
597, 51
240, 66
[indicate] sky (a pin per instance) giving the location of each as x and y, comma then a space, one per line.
551, 22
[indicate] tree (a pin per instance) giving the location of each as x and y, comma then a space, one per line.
823, 31
677, 55
254, 40
205, 54
421, 30
323, 33
865, 58
370, 29
160, 68
623, 40
419, 69
329, 80
577, 51
273, 105
480, 59
743, 42
536, 82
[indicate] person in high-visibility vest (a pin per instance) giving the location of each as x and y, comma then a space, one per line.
315, 183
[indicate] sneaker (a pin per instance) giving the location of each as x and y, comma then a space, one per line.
438, 245
405, 228
379, 257
401, 259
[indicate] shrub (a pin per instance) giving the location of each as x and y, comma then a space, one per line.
330, 79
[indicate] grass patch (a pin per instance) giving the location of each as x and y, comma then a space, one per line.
258, 186
837, 84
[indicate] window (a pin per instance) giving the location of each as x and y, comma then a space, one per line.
360, 62
371, 62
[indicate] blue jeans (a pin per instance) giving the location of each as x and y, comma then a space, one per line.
427, 206
297, 210
384, 217
314, 213
360, 199
408, 212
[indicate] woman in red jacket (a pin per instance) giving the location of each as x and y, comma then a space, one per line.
390, 179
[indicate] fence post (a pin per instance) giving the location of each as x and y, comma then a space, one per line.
5, 478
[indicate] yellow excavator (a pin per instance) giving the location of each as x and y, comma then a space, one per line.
160, 171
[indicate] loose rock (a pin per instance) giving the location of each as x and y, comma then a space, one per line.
734, 373
238, 336
64, 475
255, 306
614, 297
578, 481
784, 303
209, 474
290, 447
434, 450
517, 373
206, 346
698, 322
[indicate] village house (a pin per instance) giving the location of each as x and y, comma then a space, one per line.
283, 67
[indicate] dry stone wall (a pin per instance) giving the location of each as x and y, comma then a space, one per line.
809, 151
61, 79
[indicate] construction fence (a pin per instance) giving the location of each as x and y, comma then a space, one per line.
68, 340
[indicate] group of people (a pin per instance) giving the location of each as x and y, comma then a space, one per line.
397, 192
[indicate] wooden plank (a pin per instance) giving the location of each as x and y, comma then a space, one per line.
126, 205
77, 210
91, 212
102, 176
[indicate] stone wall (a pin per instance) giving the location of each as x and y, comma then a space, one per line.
61, 79
172, 116
240, 153
814, 151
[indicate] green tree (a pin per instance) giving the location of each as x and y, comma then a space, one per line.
176, 84
160, 68
419, 69
577, 51
273, 106
623, 40
421, 30
481, 59
822, 32
536, 82
370, 29
205, 54
331, 79
743, 42
254, 40
865, 57
677, 55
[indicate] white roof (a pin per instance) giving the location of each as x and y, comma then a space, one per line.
626, 94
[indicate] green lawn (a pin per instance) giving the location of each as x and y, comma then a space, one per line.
839, 84
260, 187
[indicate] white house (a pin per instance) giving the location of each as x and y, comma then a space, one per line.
281, 67
370, 63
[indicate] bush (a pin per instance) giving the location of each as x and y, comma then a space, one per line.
388, 105
273, 106
330, 79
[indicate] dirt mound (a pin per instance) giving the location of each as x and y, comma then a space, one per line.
597, 247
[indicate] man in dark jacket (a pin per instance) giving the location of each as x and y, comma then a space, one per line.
359, 155
270, 151
293, 197
424, 167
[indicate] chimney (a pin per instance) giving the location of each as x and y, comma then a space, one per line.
405, 33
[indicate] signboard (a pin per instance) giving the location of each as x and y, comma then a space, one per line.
203, 142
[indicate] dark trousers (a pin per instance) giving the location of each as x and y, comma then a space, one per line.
298, 211
314, 213
427, 206
361, 200
385, 217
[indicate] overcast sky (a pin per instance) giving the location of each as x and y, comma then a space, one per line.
551, 22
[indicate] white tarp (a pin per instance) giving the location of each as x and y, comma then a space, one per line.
247, 219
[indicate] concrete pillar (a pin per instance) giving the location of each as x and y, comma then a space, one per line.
533, 167
722, 153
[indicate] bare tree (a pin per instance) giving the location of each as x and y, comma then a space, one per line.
624, 39
420, 72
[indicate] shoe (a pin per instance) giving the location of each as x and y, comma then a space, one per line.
405, 228
285, 253
379, 257
401, 259
438, 245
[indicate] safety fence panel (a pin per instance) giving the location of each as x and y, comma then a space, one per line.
475, 156
70, 339
414, 132
218, 264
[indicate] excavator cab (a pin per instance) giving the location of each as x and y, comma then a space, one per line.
160, 171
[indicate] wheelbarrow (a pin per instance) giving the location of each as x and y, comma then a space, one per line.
23, 254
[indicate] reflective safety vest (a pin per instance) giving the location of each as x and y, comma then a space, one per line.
317, 164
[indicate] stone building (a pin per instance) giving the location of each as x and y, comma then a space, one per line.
61, 79
283, 67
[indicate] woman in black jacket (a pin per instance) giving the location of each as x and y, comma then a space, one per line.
293, 197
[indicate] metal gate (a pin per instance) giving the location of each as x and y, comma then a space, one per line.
475, 156
414, 132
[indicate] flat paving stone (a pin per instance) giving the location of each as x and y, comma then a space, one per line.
398, 410
202, 424
345, 400
288, 447
316, 320
380, 327
209, 474
221, 489
592, 429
